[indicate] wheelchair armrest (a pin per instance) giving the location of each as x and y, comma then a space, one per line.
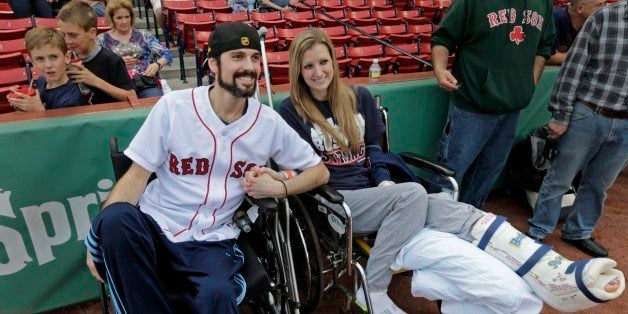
263, 203
329, 194
423, 163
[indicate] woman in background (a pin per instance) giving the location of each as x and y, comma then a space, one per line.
141, 51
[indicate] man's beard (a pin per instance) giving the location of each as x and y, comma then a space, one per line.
234, 89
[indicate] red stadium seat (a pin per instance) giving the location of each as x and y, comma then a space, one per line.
300, 19
380, 5
361, 18
413, 17
357, 5
363, 58
338, 35
302, 7
268, 19
16, 23
278, 66
11, 46
48, 22
339, 15
5, 11
232, 17
402, 63
12, 60
397, 34
387, 17
332, 5
16, 76
16, 33
286, 35
214, 6
361, 40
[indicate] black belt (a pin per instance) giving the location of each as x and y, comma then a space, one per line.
606, 112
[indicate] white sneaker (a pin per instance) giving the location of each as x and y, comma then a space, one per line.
382, 304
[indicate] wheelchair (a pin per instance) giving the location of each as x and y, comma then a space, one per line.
270, 244
342, 251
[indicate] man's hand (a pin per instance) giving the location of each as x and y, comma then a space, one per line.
556, 130
80, 74
92, 267
25, 102
446, 80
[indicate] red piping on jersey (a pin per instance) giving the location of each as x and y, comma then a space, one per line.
224, 200
210, 168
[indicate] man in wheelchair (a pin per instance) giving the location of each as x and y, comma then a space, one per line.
199, 142
343, 126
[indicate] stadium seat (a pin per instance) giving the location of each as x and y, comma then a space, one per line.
396, 34
214, 6
12, 60
47, 22
332, 5
380, 5
13, 45
25, 22
338, 35
402, 63
387, 17
361, 18
169, 8
362, 58
300, 19
359, 39
268, 19
232, 17
338, 17
5, 11
286, 35
16, 33
357, 5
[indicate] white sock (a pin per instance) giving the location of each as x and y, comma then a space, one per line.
563, 284
382, 304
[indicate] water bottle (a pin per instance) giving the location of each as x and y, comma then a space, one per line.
375, 71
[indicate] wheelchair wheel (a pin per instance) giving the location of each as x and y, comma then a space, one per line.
307, 255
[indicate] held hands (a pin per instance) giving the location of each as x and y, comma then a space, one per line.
556, 130
25, 102
92, 267
446, 80
262, 182
80, 74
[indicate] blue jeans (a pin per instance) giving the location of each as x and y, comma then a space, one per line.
150, 92
26, 8
476, 147
596, 145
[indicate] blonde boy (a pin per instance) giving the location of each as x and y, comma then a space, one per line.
54, 89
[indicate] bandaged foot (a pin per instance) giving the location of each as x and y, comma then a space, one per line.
563, 284
381, 302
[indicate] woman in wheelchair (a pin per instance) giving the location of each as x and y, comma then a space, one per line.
343, 126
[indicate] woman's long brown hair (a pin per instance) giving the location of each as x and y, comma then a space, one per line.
342, 98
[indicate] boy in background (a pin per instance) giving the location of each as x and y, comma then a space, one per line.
102, 70
48, 52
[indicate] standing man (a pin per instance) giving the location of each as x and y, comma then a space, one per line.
589, 111
199, 142
568, 19
500, 47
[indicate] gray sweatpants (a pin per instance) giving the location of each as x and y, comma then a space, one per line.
397, 212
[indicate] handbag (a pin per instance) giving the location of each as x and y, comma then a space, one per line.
143, 82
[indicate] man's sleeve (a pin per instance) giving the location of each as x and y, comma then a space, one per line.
451, 28
149, 147
571, 73
548, 39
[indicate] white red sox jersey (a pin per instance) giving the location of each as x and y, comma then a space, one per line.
200, 162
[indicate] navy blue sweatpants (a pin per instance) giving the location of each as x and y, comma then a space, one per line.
141, 265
